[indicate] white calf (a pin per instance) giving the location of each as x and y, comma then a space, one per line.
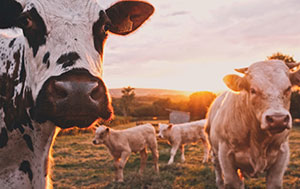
121, 143
180, 134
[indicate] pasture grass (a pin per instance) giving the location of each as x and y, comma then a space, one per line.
80, 164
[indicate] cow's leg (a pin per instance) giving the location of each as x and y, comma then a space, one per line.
144, 156
231, 178
182, 153
218, 171
120, 164
116, 165
275, 173
206, 148
154, 151
173, 153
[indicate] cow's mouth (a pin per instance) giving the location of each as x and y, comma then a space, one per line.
79, 121
66, 120
277, 130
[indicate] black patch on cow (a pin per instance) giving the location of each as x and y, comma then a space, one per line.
25, 167
15, 104
3, 138
34, 29
68, 59
11, 43
46, 59
28, 141
9, 12
99, 34
23, 70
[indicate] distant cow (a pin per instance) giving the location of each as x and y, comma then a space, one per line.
180, 134
121, 143
248, 127
51, 76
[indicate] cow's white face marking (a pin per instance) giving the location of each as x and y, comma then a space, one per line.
162, 130
270, 90
68, 29
100, 134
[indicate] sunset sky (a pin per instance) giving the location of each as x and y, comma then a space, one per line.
193, 44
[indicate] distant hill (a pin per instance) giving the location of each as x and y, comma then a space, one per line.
116, 92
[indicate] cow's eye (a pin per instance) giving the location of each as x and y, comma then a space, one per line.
25, 21
288, 90
253, 91
106, 27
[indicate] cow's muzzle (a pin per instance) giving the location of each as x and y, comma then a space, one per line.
277, 123
75, 98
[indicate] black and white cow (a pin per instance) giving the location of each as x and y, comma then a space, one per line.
51, 76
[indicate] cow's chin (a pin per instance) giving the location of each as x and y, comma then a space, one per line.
79, 121
82, 121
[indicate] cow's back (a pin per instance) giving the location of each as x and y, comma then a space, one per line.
140, 136
187, 132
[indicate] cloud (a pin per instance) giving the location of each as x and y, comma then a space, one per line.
198, 43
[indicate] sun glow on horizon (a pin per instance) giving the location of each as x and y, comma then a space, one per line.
192, 46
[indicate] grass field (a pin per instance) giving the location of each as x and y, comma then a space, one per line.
80, 164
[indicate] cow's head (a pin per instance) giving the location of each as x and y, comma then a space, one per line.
101, 134
164, 130
63, 52
268, 87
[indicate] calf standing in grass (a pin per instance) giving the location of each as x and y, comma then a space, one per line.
180, 134
121, 143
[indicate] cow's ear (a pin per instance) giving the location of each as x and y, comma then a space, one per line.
10, 10
295, 77
170, 126
235, 82
127, 16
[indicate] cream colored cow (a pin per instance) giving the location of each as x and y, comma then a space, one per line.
180, 134
248, 128
121, 143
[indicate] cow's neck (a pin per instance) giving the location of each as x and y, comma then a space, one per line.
262, 144
24, 144
111, 142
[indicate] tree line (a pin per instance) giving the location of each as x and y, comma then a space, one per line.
197, 103
144, 107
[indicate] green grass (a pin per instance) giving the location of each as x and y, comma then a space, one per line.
80, 164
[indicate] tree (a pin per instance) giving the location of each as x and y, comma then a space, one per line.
127, 100
161, 105
295, 104
199, 103
295, 98
279, 56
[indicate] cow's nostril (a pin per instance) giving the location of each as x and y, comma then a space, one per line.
269, 119
96, 93
286, 119
60, 90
